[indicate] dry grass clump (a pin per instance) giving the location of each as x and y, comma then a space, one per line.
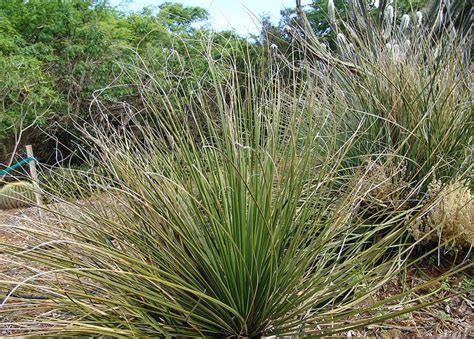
382, 185
399, 88
452, 216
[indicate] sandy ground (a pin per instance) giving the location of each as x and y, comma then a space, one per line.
24, 217
453, 317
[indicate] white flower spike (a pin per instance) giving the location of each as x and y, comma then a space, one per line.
405, 23
419, 18
331, 12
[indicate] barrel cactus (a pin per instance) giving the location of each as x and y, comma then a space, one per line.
16, 194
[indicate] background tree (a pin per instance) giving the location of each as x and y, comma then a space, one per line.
54, 55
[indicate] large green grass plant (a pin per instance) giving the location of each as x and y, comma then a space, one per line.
417, 104
402, 83
221, 219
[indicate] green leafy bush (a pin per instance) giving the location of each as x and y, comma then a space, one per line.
27, 93
54, 55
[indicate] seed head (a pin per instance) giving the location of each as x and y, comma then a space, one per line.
388, 22
405, 23
389, 15
331, 12
341, 39
419, 18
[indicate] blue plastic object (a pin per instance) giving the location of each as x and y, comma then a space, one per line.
18, 164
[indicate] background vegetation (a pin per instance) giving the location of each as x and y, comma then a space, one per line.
54, 55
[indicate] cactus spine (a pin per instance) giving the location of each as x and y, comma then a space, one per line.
17, 194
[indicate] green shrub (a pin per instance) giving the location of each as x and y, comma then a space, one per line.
27, 94
69, 183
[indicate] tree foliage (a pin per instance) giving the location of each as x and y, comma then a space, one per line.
56, 55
